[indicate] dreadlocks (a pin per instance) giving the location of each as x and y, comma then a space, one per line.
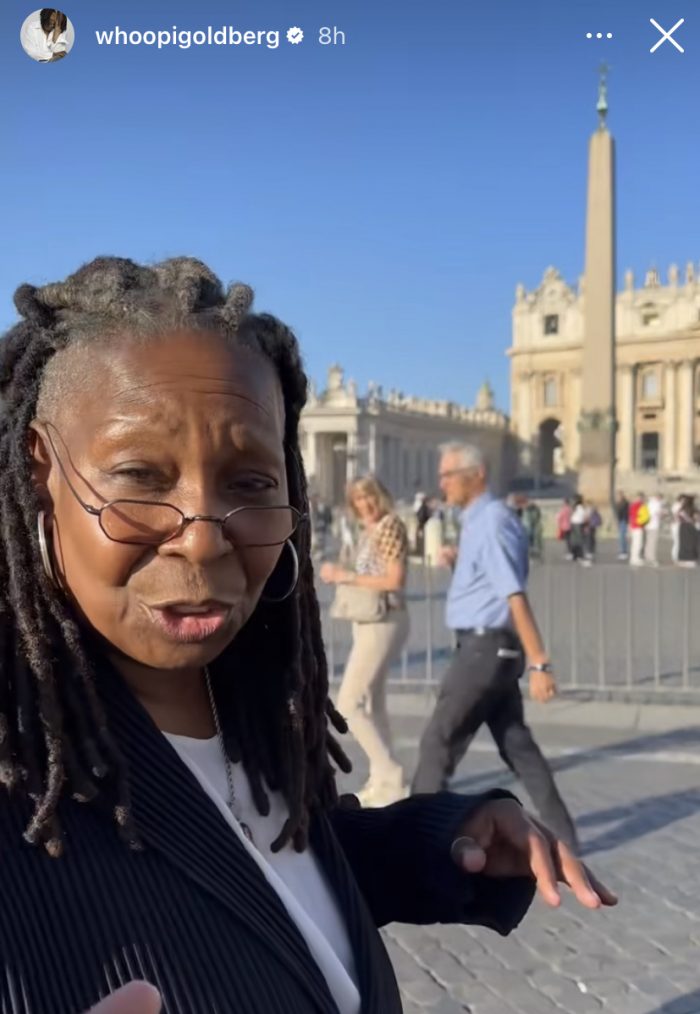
54, 738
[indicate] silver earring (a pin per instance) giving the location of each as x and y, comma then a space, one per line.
44, 547
295, 576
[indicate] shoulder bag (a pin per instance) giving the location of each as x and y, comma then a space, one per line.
358, 605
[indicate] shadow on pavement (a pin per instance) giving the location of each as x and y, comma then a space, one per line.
689, 1004
632, 821
666, 742
638, 819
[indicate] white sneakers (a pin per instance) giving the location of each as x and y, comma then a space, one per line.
382, 793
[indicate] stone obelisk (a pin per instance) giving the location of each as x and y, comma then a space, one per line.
597, 423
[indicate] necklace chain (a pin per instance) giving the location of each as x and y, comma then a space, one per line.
232, 802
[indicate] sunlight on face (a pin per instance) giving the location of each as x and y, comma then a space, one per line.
187, 420
366, 507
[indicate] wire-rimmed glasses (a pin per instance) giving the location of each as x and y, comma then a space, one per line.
153, 522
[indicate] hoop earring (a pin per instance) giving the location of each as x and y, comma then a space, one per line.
295, 577
44, 548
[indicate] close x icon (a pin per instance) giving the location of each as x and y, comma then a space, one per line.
666, 36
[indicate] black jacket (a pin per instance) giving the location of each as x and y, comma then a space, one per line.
193, 914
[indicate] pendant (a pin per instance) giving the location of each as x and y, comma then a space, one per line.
242, 824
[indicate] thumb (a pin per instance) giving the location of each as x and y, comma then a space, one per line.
468, 855
134, 998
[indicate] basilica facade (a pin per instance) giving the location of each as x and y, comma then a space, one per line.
345, 433
656, 379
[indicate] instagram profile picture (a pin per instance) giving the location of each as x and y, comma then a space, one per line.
47, 35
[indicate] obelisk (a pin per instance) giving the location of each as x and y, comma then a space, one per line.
597, 423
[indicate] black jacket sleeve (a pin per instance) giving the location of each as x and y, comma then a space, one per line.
400, 856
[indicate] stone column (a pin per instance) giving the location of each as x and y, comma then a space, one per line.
311, 456
670, 418
572, 434
686, 412
526, 415
372, 448
625, 434
351, 457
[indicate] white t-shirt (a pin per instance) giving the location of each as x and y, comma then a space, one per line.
580, 515
296, 876
37, 44
656, 509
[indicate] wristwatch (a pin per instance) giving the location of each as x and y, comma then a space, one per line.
541, 667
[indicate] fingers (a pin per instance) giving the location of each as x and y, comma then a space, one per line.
588, 890
134, 998
543, 866
575, 875
543, 687
607, 897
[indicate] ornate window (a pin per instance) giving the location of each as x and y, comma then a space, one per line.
650, 315
550, 393
551, 323
649, 384
650, 451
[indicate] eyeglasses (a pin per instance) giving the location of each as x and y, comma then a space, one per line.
451, 472
151, 523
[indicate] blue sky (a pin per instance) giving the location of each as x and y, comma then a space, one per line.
384, 197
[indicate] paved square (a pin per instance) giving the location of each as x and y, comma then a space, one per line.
637, 804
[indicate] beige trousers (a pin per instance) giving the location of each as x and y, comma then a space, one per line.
362, 695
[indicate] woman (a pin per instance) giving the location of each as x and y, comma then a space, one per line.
44, 35
380, 566
171, 812
579, 528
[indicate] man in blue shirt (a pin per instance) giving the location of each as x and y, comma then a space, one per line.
488, 608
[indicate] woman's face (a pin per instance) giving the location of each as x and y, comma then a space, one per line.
186, 420
366, 507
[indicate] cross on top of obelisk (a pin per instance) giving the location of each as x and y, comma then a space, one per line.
602, 104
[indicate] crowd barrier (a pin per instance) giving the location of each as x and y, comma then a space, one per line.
611, 630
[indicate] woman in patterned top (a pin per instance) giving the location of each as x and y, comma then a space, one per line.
380, 564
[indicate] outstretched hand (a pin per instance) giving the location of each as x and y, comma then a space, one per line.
134, 998
500, 839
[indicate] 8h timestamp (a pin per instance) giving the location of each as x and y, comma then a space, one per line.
331, 36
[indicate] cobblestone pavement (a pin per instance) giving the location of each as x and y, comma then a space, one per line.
638, 810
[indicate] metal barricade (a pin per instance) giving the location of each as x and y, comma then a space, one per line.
610, 629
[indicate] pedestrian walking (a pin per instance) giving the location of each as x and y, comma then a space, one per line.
564, 527
489, 611
532, 523
622, 511
593, 522
423, 514
372, 597
579, 529
657, 511
638, 520
688, 533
